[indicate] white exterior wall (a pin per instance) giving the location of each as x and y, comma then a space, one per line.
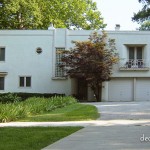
21, 58
123, 38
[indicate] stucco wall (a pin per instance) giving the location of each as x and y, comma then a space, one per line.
22, 59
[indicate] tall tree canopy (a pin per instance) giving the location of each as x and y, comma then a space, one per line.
38, 14
143, 16
92, 61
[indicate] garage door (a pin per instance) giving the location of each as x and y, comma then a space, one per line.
143, 89
120, 89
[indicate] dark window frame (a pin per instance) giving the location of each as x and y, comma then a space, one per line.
24, 81
2, 83
134, 52
2, 53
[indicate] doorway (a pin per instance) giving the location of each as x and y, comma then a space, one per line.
82, 89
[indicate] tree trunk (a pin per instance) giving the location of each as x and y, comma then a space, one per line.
100, 94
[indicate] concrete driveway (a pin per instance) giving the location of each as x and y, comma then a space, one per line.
122, 126
123, 110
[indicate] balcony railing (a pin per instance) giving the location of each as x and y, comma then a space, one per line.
134, 64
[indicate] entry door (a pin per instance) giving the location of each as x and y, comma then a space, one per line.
82, 90
121, 89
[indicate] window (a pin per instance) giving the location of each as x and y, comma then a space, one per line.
25, 81
39, 50
2, 54
135, 57
59, 72
1, 83
135, 53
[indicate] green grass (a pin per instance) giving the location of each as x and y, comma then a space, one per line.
36, 138
74, 112
32, 138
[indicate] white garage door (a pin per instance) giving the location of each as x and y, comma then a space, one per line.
120, 89
143, 89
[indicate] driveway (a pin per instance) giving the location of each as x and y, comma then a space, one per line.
123, 110
122, 126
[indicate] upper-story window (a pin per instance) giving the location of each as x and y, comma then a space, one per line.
59, 72
2, 54
135, 53
135, 59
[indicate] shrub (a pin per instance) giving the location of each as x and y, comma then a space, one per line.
9, 97
39, 105
12, 97
34, 105
12, 111
25, 96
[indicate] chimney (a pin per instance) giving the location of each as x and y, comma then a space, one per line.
51, 27
117, 27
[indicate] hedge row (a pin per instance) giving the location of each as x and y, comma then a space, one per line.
13, 97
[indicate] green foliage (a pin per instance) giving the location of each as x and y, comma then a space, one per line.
13, 111
91, 60
73, 112
38, 14
17, 110
142, 17
145, 26
32, 138
13, 97
40, 105
9, 97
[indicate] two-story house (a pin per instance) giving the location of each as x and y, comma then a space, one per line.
29, 61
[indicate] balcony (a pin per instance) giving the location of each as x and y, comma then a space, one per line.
134, 64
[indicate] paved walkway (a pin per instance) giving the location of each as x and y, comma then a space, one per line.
122, 126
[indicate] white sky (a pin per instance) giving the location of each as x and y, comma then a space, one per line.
119, 12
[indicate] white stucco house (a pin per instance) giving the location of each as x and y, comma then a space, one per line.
29, 63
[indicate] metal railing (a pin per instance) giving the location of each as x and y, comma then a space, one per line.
134, 64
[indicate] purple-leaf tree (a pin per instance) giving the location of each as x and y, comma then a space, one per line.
91, 60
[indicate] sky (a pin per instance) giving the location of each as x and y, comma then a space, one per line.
119, 12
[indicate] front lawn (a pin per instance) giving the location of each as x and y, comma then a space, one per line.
74, 112
32, 138
37, 109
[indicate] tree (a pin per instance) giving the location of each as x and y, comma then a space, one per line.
92, 61
38, 14
143, 16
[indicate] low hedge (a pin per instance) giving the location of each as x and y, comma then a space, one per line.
13, 97
32, 106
